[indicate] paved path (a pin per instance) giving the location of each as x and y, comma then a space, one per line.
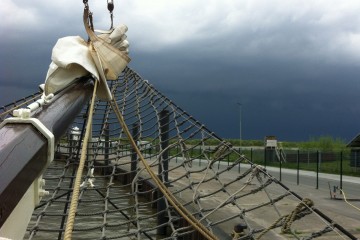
350, 185
337, 210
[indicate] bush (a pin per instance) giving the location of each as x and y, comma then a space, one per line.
324, 143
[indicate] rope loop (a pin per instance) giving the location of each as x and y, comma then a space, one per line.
302, 206
289, 219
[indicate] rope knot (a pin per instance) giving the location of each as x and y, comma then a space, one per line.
302, 206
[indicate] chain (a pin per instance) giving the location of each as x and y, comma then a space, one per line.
110, 5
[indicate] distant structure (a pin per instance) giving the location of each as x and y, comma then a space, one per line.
354, 145
274, 149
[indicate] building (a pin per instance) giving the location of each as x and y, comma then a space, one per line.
354, 145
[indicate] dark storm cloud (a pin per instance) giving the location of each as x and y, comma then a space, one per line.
294, 66
291, 99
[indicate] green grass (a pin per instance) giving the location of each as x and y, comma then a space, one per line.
257, 156
323, 144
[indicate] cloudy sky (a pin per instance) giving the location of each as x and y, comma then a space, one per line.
293, 65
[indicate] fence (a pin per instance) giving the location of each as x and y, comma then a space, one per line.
338, 163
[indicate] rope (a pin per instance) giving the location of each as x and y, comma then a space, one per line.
116, 208
253, 174
75, 194
169, 196
288, 219
343, 193
326, 221
291, 217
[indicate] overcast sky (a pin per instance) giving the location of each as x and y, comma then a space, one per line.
293, 65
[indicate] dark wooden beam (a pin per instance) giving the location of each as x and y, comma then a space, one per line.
23, 149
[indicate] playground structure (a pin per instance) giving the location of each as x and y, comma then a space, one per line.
273, 149
142, 180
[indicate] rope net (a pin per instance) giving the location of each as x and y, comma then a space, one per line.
119, 199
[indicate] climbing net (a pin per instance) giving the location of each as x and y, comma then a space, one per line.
179, 181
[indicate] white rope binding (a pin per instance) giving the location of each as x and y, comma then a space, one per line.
23, 116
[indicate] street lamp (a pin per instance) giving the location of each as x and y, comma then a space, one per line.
240, 111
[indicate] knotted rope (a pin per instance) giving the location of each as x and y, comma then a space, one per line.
289, 218
169, 196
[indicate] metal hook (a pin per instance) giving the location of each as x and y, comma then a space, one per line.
110, 5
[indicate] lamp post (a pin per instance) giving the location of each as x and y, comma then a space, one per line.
240, 111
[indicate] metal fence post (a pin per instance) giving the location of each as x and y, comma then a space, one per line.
239, 162
251, 155
280, 166
134, 157
298, 167
356, 160
317, 169
163, 170
341, 169
265, 156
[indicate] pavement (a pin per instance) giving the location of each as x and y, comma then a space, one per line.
346, 214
